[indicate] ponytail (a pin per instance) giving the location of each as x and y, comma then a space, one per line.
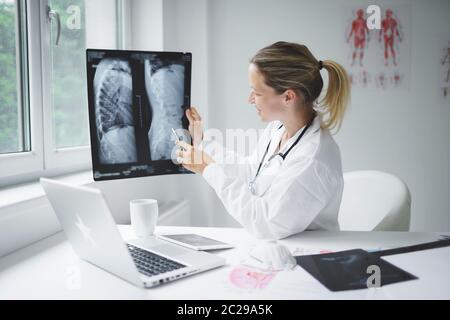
337, 96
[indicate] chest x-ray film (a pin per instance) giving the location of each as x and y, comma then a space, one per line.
135, 99
351, 270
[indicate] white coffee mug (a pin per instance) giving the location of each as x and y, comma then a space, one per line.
144, 215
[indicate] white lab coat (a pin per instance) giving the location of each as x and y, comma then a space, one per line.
302, 192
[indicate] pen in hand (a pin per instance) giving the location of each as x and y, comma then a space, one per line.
178, 138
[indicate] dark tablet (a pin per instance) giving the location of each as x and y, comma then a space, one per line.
135, 100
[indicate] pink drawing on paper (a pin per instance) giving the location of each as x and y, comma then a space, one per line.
308, 251
247, 278
323, 251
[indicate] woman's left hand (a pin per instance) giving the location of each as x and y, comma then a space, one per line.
191, 158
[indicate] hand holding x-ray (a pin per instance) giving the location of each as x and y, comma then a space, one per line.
195, 125
192, 158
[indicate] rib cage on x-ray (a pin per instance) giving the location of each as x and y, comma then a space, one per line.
113, 112
165, 89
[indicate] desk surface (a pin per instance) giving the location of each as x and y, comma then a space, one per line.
50, 269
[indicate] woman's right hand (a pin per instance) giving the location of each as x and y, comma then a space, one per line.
195, 126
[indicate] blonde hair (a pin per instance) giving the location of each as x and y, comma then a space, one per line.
286, 65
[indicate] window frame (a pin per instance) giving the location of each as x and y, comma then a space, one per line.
55, 157
27, 161
44, 159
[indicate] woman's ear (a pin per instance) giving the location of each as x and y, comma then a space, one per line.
291, 97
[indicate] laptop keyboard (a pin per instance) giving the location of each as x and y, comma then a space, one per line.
151, 264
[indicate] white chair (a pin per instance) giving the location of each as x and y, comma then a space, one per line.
374, 201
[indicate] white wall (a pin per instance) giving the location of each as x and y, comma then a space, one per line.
185, 25
97, 24
146, 25
403, 132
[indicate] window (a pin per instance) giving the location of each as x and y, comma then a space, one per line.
68, 76
43, 99
14, 136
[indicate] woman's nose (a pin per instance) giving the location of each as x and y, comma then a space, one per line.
251, 98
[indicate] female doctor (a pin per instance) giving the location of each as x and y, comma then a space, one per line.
293, 181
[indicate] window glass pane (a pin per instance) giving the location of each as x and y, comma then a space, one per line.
68, 74
68, 85
11, 129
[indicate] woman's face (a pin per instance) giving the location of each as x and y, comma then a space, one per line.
267, 102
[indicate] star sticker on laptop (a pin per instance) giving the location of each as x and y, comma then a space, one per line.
85, 231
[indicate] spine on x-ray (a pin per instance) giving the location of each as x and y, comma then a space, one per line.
114, 113
165, 90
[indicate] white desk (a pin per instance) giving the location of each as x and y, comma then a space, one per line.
50, 269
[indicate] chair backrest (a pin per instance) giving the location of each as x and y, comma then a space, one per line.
374, 201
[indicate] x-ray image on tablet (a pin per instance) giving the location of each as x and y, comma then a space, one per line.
135, 99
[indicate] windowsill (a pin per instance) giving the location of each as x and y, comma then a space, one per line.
26, 216
10, 196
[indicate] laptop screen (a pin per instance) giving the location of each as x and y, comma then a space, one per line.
135, 99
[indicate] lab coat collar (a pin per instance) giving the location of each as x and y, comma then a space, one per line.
315, 126
317, 122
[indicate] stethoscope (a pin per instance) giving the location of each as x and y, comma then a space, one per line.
251, 184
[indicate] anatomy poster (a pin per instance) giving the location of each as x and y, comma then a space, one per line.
135, 99
378, 57
444, 68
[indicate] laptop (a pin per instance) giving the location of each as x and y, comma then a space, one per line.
90, 228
